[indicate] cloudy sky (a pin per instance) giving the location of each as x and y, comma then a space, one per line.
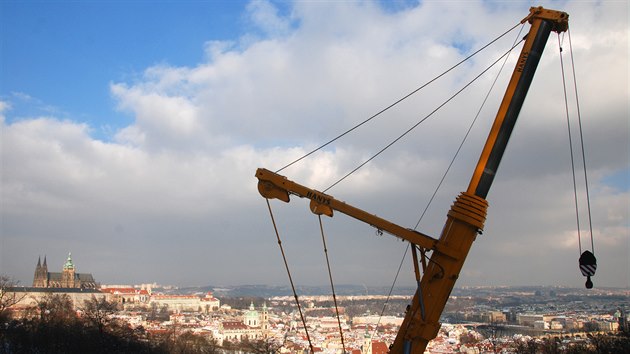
131, 132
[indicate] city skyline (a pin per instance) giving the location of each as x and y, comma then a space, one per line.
131, 134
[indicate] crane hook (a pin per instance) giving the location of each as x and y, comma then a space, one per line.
588, 265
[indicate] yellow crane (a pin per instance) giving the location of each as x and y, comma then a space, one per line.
467, 215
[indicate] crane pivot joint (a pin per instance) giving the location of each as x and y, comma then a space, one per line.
470, 209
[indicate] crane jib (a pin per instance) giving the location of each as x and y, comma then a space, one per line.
525, 69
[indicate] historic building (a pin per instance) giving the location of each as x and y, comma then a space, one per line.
67, 278
179, 303
254, 325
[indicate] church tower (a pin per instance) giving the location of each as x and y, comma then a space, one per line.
252, 318
40, 280
68, 274
367, 342
264, 320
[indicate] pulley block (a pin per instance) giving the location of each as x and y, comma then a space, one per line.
588, 265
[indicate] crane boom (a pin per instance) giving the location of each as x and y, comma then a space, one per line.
542, 21
467, 215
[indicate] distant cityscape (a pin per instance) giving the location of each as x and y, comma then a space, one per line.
476, 319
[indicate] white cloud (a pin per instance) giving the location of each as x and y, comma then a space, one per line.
4, 106
162, 120
265, 16
177, 185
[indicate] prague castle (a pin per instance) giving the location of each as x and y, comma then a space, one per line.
67, 278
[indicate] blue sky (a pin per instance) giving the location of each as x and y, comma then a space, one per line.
56, 51
131, 132
83, 46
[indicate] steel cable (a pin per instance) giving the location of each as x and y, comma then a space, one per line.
396, 102
579, 116
332, 285
286, 265
422, 120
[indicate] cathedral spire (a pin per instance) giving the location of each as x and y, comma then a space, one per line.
45, 261
41, 273
69, 264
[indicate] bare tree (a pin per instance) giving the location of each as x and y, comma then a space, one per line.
8, 297
188, 342
262, 346
98, 312
56, 309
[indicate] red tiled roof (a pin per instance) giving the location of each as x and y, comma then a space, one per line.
119, 290
165, 297
234, 325
379, 348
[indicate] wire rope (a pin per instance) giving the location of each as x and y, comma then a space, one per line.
332, 285
391, 289
579, 116
396, 102
467, 134
286, 265
581, 143
444, 176
421, 120
566, 108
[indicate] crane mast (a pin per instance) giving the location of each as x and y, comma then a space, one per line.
467, 215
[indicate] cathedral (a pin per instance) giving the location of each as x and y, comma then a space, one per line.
68, 278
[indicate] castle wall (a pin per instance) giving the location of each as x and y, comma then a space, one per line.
30, 297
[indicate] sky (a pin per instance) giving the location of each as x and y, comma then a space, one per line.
131, 133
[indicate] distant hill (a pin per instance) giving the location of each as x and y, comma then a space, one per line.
271, 290
266, 291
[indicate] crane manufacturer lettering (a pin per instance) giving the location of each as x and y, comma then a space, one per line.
319, 198
521, 62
